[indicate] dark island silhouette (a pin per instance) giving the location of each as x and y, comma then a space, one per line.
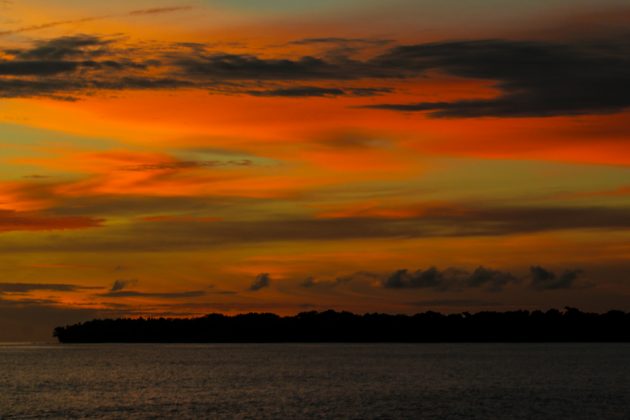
570, 325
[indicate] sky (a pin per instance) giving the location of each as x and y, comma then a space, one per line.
176, 158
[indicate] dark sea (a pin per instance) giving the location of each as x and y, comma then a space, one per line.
301, 381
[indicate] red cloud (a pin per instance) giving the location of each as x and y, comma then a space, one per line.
20, 221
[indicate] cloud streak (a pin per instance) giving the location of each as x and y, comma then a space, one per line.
179, 165
11, 221
159, 10
47, 25
133, 294
204, 232
53, 24
533, 78
31, 287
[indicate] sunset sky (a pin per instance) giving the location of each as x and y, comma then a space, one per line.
167, 158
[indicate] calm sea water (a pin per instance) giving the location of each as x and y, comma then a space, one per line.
294, 381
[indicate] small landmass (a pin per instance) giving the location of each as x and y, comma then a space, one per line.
569, 325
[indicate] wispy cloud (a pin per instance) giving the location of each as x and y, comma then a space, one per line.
31, 28
53, 24
159, 10
177, 165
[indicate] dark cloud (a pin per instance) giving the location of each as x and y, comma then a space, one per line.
543, 279
30, 287
315, 91
457, 221
261, 281
53, 88
369, 91
84, 46
494, 280
451, 278
403, 279
11, 221
122, 284
225, 292
223, 66
536, 79
137, 82
433, 222
480, 278
37, 67
73, 65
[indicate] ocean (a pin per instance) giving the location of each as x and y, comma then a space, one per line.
301, 381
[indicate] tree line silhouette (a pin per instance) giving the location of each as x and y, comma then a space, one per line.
570, 325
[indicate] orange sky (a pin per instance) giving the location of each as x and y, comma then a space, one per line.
162, 159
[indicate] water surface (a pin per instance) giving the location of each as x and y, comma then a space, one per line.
454, 381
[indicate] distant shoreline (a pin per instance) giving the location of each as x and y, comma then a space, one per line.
553, 326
